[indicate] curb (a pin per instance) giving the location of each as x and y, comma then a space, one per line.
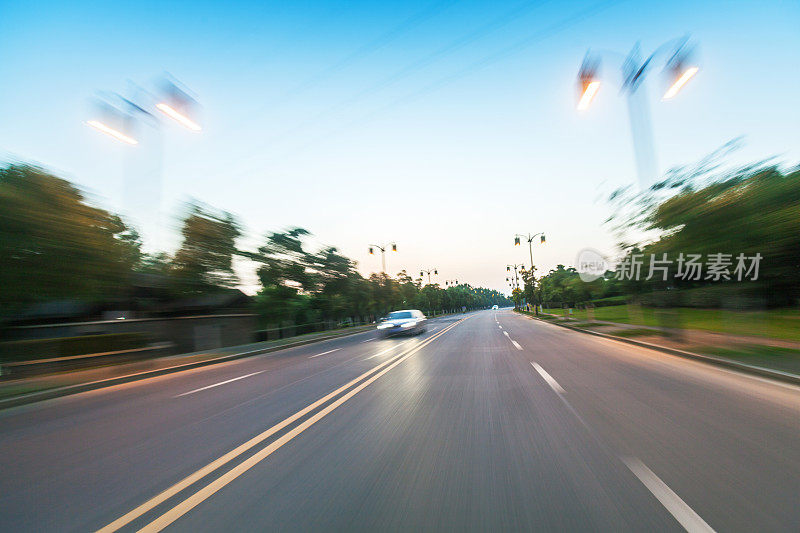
119, 380
779, 375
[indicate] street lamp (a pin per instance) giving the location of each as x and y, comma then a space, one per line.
529, 238
429, 272
382, 248
679, 69
120, 118
108, 130
679, 82
588, 84
178, 105
451, 282
515, 267
118, 121
113, 121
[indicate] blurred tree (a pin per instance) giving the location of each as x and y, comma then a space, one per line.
54, 245
204, 262
750, 211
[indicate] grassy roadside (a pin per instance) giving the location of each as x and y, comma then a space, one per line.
785, 359
771, 357
774, 323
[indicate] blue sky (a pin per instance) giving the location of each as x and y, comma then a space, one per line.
445, 126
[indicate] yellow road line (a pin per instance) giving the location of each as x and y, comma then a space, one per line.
239, 450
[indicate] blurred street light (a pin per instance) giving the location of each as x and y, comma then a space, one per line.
182, 119
679, 69
529, 238
429, 272
113, 121
588, 94
451, 282
124, 118
117, 119
382, 248
680, 82
588, 84
178, 105
515, 267
108, 130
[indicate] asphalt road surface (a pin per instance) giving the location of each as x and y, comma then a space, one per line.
489, 421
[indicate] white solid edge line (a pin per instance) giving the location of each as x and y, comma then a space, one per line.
218, 384
673, 503
549, 379
324, 353
704, 364
516, 345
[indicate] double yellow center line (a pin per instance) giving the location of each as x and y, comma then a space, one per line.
207, 491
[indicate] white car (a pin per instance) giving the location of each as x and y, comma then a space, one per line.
405, 322
495, 307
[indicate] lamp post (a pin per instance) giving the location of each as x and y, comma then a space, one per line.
450, 282
679, 68
516, 277
530, 238
119, 120
382, 248
429, 272
119, 117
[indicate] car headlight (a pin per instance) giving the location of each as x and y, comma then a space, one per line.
385, 325
408, 325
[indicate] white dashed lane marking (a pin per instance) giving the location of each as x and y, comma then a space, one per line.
548, 378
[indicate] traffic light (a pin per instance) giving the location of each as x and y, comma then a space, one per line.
370, 250
516, 241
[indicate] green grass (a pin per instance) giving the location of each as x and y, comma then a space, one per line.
774, 323
767, 356
634, 332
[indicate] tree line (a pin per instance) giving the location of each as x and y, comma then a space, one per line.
56, 245
730, 219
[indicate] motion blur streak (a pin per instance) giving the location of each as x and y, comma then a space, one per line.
210, 489
197, 476
183, 119
111, 131
588, 95
680, 82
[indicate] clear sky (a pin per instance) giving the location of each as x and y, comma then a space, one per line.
445, 126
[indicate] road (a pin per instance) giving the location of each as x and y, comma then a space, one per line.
488, 421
